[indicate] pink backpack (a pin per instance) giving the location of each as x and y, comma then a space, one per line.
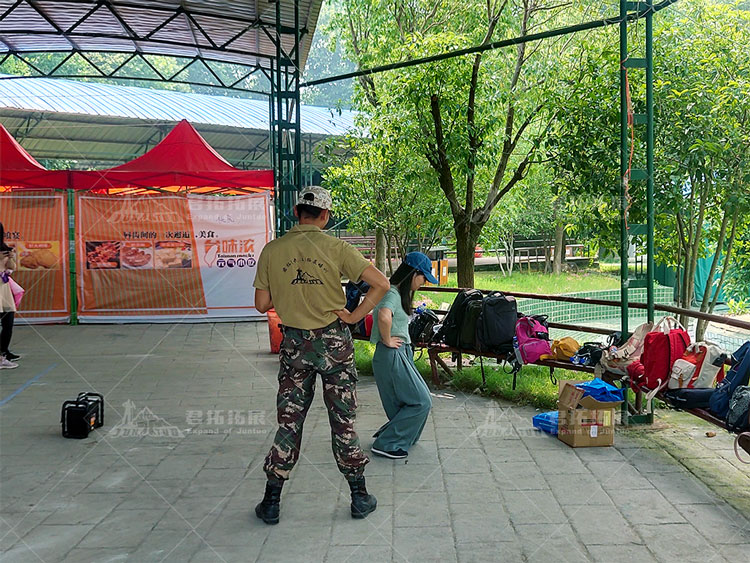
532, 340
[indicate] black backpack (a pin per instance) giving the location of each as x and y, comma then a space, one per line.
467, 334
421, 327
497, 323
689, 398
354, 293
739, 374
449, 333
738, 417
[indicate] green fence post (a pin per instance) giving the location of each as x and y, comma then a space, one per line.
72, 257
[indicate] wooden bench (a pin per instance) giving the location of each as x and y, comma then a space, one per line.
434, 351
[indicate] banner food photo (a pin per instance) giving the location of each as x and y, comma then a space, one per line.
168, 258
36, 225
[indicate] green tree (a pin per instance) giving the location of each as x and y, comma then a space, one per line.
475, 121
377, 191
326, 58
702, 184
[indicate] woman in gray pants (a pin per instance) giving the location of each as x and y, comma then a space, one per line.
404, 394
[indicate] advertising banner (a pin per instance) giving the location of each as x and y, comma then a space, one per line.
37, 226
229, 234
153, 258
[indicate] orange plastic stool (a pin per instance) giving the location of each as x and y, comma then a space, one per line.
274, 331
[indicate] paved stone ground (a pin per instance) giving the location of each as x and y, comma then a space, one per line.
175, 471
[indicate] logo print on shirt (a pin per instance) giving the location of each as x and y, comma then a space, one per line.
304, 277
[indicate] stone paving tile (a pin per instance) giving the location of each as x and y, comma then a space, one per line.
550, 543
353, 553
86, 508
51, 543
168, 546
21, 523
412, 478
610, 553
478, 490
578, 489
518, 476
618, 474
682, 488
464, 461
600, 525
678, 542
631, 504
719, 522
309, 544
480, 523
493, 551
423, 544
533, 507
79, 554
558, 461
375, 530
481, 485
421, 510
227, 554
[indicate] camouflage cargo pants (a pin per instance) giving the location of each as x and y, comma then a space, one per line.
329, 352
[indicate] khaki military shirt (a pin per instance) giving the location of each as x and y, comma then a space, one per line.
303, 271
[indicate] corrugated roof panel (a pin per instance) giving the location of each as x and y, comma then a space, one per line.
105, 100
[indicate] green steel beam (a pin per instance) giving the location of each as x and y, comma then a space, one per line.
72, 257
285, 123
624, 240
649, 162
624, 153
624, 17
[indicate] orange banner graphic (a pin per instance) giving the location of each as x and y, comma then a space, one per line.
36, 225
136, 258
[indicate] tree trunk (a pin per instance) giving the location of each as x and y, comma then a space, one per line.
465, 244
559, 247
691, 262
381, 250
709, 301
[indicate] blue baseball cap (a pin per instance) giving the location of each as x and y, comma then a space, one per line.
422, 264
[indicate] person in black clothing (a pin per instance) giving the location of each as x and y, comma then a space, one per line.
7, 304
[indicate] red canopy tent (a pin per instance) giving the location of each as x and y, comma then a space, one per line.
182, 161
19, 169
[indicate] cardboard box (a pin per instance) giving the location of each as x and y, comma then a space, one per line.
584, 421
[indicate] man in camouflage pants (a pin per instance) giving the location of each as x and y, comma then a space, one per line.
299, 275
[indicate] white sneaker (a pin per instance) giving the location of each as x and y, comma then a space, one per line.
5, 363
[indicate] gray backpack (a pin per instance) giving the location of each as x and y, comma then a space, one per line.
738, 418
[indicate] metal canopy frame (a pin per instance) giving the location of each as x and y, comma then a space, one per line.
227, 43
211, 32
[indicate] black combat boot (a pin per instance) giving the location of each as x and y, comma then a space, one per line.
268, 509
362, 502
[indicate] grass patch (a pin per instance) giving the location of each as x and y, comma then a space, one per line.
533, 387
363, 352
534, 282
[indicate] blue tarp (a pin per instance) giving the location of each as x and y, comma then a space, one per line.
601, 391
546, 421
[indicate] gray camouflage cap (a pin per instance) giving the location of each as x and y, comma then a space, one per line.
315, 196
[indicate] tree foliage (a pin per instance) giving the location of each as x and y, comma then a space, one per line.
702, 145
474, 122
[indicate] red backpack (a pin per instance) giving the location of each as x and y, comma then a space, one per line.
662, 347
